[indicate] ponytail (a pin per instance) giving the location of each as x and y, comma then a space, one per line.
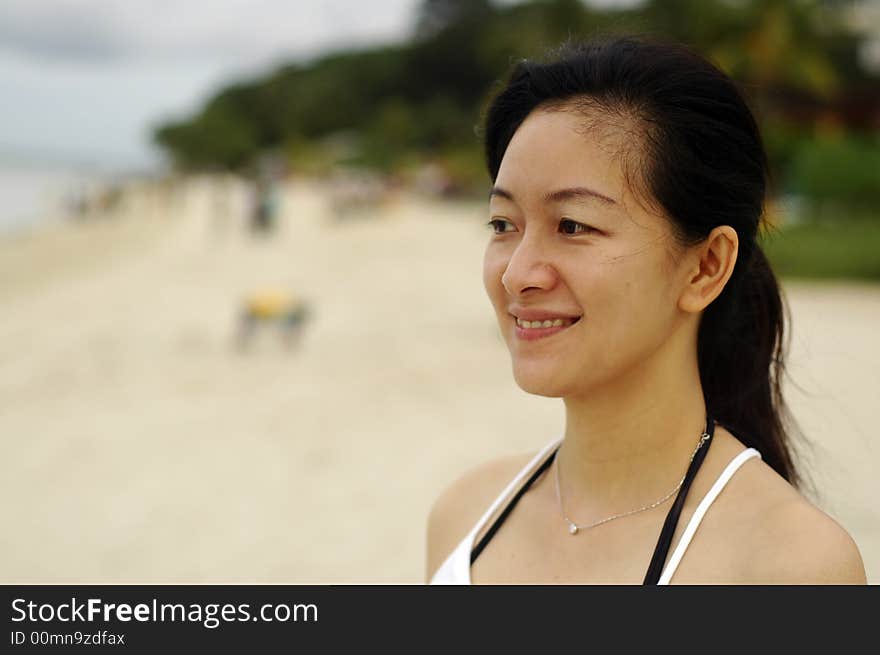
741, 349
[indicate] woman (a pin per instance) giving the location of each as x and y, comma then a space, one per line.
629, 183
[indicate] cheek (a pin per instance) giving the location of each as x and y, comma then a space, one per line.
494, 265
614, 297
638, 309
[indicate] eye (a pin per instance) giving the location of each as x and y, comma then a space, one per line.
497, 224
568, 226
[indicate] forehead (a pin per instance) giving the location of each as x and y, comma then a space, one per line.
565, 148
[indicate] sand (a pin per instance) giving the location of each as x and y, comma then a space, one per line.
139, 445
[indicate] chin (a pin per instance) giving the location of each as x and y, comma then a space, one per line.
544, 384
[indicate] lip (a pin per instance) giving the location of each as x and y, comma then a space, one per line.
533, 334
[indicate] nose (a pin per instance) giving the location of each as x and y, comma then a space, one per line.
528, 268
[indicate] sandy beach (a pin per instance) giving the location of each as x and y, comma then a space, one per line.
139, 445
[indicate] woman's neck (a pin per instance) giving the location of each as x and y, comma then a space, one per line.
628, 444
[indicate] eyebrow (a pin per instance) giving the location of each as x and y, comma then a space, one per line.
573, 193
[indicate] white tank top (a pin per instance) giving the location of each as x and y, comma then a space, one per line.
456, 569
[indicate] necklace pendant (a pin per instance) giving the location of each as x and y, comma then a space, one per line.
572, 529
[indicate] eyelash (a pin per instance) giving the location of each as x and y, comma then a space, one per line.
586, 228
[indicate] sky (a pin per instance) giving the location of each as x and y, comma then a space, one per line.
87, 80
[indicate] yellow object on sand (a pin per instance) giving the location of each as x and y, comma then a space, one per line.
271, 304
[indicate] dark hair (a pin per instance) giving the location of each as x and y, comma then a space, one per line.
702, 161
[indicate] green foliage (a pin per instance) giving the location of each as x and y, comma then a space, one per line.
219, 138
762, 43
467, 171
843, 248
837, 169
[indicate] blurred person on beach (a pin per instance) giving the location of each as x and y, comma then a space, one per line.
280, 308
264, 206
629, 182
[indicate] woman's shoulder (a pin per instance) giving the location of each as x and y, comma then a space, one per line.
803, 545
778, 536
461, 504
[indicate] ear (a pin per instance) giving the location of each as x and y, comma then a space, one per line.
710, 265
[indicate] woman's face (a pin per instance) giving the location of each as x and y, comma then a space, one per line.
571, 244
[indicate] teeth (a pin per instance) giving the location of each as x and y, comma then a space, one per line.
543, 324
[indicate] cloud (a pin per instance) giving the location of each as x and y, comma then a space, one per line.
58, 30
92, 76
100, 31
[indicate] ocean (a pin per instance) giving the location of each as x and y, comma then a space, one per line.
33, 194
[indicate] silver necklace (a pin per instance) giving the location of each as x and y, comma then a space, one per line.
573, 527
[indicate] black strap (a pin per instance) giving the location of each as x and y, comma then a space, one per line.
507, 510
666, 534
665, 540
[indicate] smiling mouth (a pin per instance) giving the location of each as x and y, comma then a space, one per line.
546, 323
542, 329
